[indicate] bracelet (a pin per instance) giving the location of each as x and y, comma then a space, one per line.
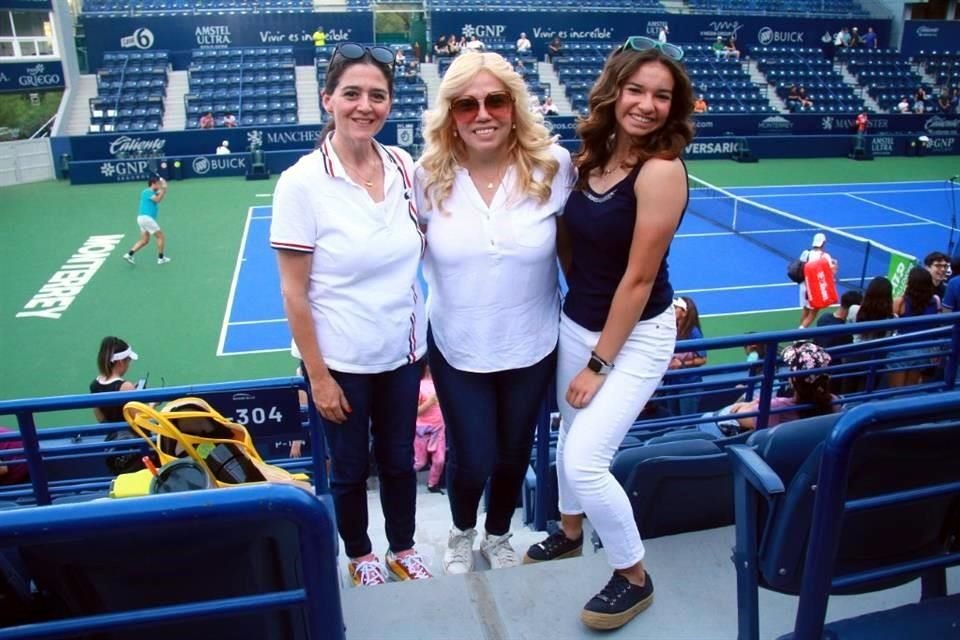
593, 354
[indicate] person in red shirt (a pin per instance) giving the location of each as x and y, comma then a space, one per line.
862, 122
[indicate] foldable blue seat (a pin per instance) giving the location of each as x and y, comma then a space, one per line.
846, 504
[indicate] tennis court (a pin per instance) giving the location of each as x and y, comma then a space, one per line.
221, 295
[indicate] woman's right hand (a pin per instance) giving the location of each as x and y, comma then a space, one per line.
329, 399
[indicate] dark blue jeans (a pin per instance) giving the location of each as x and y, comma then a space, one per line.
490, 424
384, 407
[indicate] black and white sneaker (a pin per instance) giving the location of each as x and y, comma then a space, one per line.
617, 603
556, 546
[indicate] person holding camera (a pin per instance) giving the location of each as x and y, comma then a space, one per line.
147, 219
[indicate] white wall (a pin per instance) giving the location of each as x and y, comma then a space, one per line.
25, 161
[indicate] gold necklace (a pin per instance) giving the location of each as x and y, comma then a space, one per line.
368, 182
617, 167
499, 178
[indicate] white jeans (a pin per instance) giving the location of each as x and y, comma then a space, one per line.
590, 437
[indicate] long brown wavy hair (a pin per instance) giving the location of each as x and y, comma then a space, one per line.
598, 130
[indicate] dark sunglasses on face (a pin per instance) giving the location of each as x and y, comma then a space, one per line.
497, 104
354, 51
643, 43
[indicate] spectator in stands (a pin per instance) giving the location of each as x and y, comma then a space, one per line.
861, 122
826, 45
838, 39
207, 121
838, 317
548, 108
523, 44
688, 328
663, 33
150, 199
937, 263
920, 100
955, 100
417, 54
700, 105
319, 38
618, 324
224, 148
555, 48
951, 299
918, 299
12, 472
113, 362
430, 444
718, 47
457, 44
475, 44
400, 59
519, 67
943, 102
854, 38
816, 253
730, 50
793, 99
229, 121
805, 101
441, 48
811, 389
904, 105
412, 68
346, 285
870, 39
845, 37
489, 186
877, 304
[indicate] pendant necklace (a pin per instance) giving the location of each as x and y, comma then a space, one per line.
367, 182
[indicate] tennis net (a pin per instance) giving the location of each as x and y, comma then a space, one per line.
787, 235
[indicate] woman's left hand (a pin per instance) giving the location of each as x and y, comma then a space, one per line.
583, 387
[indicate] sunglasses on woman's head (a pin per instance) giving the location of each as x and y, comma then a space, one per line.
354, 51
498, 104
643, 43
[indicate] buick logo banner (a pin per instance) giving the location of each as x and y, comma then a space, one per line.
31, 76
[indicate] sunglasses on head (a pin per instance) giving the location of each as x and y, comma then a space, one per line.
643, 43
497, 104
354, 51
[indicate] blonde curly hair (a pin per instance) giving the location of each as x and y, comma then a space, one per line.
530, 141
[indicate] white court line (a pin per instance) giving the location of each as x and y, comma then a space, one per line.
831, 184
262, 218
233, 284
264, 195
244, 353
901, 212
713, 234
827, 193
746, 313
739, 287
239, 323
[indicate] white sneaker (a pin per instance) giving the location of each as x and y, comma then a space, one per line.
458, 557
129, 258
163, 260
498, 552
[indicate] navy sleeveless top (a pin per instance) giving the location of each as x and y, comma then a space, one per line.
601, 232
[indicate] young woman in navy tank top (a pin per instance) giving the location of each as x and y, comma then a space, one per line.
617, 330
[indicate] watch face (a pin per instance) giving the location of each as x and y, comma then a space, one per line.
595, 365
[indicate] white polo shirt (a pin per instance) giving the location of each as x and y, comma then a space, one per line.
492, 271
367, 304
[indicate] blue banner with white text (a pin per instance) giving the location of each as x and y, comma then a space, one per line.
181, 34
930, 35
20, 5
31, 76
542, 26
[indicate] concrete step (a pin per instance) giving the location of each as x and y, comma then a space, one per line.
430, 73
78, 120
174, 109
308, 95
549, 76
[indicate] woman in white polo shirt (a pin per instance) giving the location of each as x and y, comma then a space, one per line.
349, 246
489, 186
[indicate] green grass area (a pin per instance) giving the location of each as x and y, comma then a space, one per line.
172, 314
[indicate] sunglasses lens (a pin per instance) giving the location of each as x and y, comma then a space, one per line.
639, 43
350, 51
464, 108
382, 55
497, 102
673, 51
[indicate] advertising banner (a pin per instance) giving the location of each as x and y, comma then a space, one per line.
930, 35
181, 34
31, 76
614, 27
20, 5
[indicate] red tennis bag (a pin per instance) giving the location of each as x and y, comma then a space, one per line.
821, 288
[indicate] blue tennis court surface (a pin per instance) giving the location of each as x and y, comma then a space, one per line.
725, 272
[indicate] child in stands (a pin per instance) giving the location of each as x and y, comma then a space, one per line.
430, 444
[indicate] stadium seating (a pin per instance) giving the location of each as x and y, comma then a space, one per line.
844, 8
108, 8
257, 562
255, 84
543, 5
862, 505
886, 74
805, 67
131, 87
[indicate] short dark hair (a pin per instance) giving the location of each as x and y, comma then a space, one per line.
935, 256
850, 298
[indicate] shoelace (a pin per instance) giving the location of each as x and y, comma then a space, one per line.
617, 586
415, 567
501, 549
462, 548
370, 572
556, 540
